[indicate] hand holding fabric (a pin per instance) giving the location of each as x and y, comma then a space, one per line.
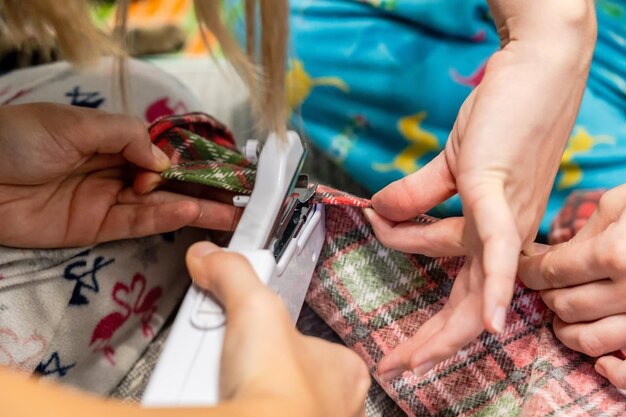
265, 360
62, 180
584, 282
501, 158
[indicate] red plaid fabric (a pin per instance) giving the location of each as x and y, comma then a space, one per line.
375, 298
201, 124
203, 151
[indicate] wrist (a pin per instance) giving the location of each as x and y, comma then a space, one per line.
553, 32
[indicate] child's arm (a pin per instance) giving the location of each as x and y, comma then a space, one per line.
268, 368
26, 397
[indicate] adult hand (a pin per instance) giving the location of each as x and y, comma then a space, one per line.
501, 158
62, 180
268, 369
584, 282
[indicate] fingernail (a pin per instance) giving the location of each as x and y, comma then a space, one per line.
160, 155
368, 212
420, 370
202, 249
600, 369
389, 375
498, 319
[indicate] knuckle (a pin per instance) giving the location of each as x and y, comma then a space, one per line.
551, 274
137, 127
564, 309
613, 253
609, 203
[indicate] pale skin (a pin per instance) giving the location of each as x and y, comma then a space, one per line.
62, 184
584, 282
501, 158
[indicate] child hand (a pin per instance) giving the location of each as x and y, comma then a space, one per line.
584, 282
265, 360
501, 158
62, 180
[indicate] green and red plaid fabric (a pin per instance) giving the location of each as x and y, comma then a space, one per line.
374, 298
203, 151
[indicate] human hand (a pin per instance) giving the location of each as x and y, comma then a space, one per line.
584, 282
265, 361
501, 158
268, 369
62, 180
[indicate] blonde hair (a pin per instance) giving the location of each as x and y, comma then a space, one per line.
81, 42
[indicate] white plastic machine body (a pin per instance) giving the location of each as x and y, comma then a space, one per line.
187, 373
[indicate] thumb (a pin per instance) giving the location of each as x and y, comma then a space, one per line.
228, 276
109, 133
416, 193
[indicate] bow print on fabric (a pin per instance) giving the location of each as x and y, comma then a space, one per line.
375, 298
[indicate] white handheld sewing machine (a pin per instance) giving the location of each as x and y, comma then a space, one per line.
281, 233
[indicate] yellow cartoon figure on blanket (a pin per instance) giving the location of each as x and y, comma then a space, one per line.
581, 143
421, 143
300, 84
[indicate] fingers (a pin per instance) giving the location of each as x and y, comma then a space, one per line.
126, 221
147, 181
108, 133
398, 361
457, 324
614, 370
565, 265
581, 303
593, 339
100, 162
501, 245
213, 215
442, 238
421, 353
417, 193
228, 275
